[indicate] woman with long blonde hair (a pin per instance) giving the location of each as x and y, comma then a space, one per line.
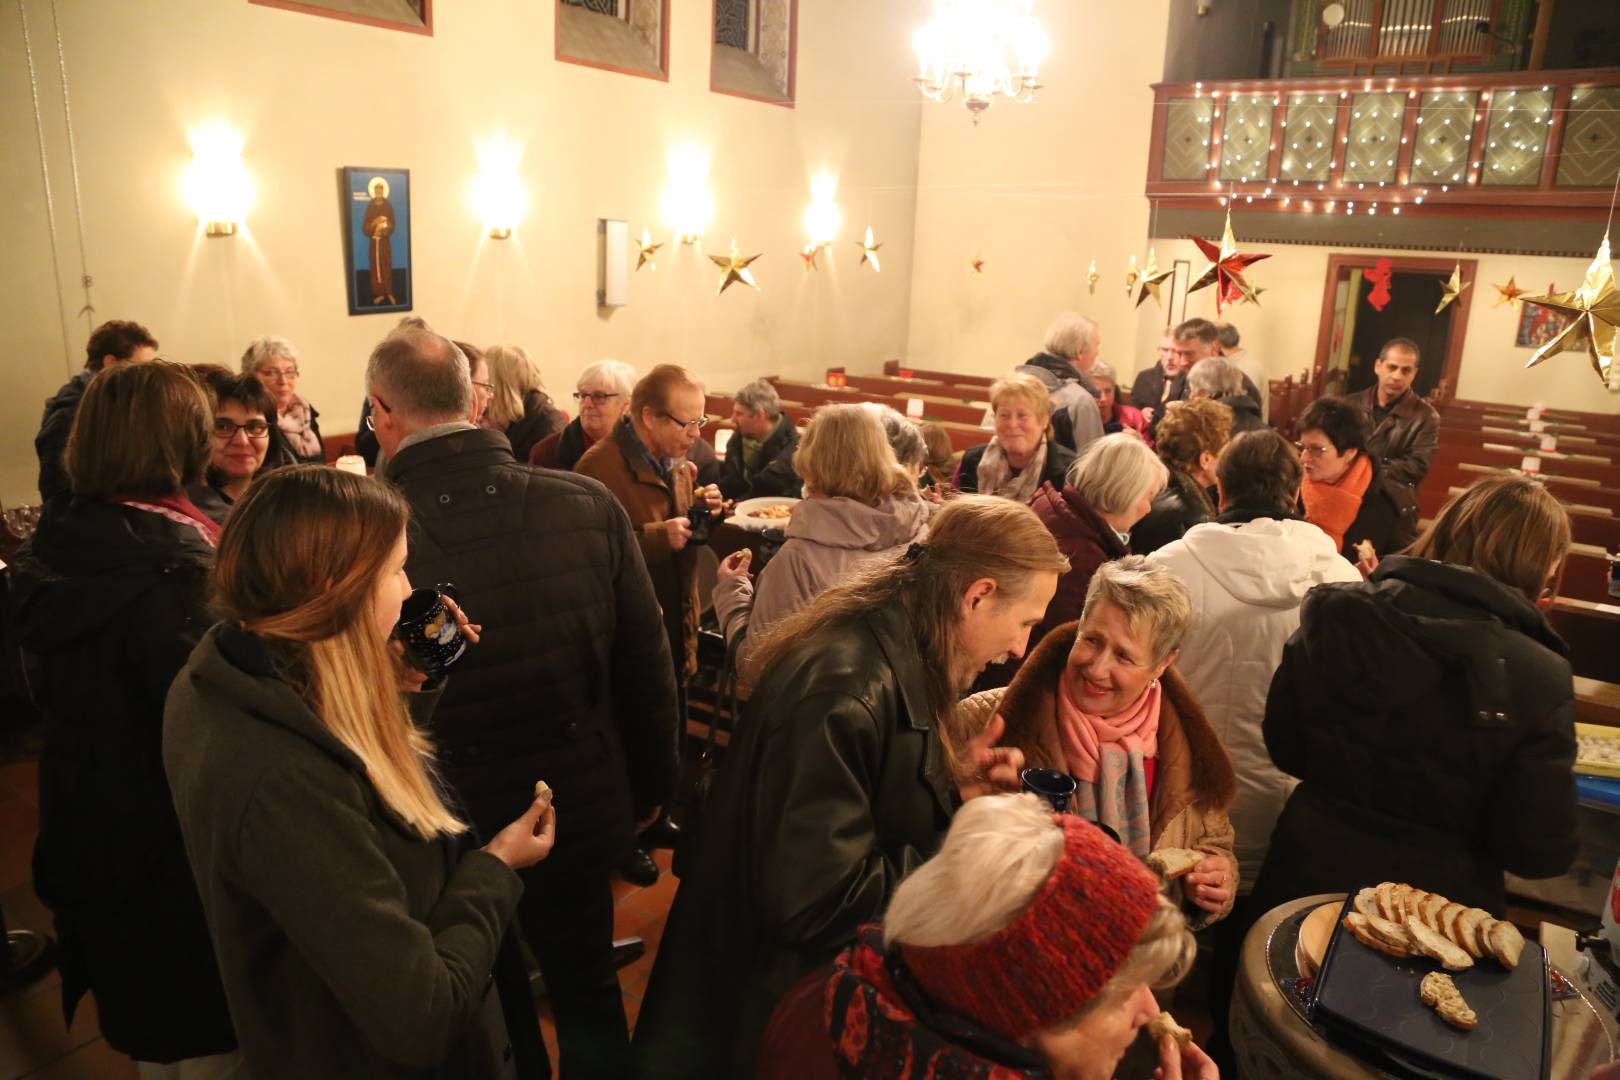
518, 404
356, 927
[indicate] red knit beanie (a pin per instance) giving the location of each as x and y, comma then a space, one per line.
1059, 952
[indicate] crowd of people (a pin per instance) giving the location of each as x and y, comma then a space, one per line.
274, 844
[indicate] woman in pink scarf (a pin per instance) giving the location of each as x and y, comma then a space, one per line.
1099, 699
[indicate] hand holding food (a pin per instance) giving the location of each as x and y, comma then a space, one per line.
530, 838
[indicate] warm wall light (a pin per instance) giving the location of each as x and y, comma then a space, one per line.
822, 217
216, 185
498, 196
687, 203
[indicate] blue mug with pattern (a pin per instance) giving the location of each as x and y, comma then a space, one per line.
428, 630
1057, 788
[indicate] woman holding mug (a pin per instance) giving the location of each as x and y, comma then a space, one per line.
1099, 699
357, 928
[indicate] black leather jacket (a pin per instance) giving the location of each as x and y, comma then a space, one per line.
834, 788
1405, 440
1178, 508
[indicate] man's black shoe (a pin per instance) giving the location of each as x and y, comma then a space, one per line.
663, 833
638, 868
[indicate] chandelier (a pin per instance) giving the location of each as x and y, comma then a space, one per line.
973, 50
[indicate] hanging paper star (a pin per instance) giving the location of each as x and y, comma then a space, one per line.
1252, 296
1450, 290
1595, 307
809, 256
869, 252
976, 266
1152, 278
735, 267
1131, 276
1507, 294
1091, 278
1380, 275
1226, 268
646, 249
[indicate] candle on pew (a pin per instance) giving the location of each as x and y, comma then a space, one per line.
1549, 443
1531, 464
914, 408
1537, 427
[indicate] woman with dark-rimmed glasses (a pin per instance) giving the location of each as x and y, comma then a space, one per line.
603, 397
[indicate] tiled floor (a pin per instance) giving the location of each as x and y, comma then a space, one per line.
33, 1042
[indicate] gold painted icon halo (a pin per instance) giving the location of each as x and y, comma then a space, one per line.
378, 187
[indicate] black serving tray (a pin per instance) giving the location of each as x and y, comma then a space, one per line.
1370, 1001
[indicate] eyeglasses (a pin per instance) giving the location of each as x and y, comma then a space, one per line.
225, 429
595, 397
1306, 450
371, 425
488, 388
692, 427
279, 374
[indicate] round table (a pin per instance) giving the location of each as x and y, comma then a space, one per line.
1273, 1038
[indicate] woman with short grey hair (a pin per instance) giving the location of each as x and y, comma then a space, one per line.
603, 394
1217, 377
273, 360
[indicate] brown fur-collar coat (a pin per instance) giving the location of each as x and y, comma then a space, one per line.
1193, 784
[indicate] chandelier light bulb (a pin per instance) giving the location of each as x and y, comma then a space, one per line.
977, 50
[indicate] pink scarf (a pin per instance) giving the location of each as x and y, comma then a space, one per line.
1107, 754
182, 511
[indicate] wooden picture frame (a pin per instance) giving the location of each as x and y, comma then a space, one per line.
660, 75
304, 7
792, 91
377, 231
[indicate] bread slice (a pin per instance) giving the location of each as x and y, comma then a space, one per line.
1172, 863
1446, 922
1429, 910
1360, 926
1397, 901
1410, 899
1440, 993
1482, 935
1367, 903
1430, 943
1386, 899
1165, 1024
1506, 944
1468, 924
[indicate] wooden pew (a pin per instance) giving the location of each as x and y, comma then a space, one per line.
805, 394
1591, 628
1602, 421
952, 378
912, 388
1597, 702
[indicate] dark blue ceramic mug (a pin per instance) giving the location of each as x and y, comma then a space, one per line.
428, 630
1057, 788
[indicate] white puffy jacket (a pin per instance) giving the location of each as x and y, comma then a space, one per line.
1247, 582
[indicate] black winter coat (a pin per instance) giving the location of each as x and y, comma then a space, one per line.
1387, 518
54, 427
1245, 413
572, 682
1429, 716
350, 945
108, 601
833, 789
1055, 472
1178, 508
775, 475
1148, 391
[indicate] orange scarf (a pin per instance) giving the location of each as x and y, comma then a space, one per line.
1333, 507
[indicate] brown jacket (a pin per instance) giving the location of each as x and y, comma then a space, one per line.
622, 468
1406, 439
1193, 785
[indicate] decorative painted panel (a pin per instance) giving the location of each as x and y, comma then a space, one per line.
1246, 137
1186, 139
1515, 138
1375, 137
604, 7
1590, 156
1308, 127
1445, 125
731, 23
645, 19
775, 34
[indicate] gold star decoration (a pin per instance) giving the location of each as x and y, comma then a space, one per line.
1252, 296
1152, 278
1226, 267
1450, 290
976, 265
735, 267
1595, 307
1091, 277
809, 256
869, 252
645, 250
1507, 294
1131, 276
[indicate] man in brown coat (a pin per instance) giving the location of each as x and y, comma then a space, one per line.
1405, 428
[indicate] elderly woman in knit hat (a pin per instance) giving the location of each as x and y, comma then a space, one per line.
1030, 946
1098, 699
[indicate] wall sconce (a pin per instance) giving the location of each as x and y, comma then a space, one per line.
687, 203
216, 185
822, 217
498, 196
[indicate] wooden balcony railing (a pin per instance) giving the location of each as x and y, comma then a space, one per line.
1543, 141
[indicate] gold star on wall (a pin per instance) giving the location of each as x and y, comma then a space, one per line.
735, 267
1595, 307
869, 252
976, 266
1450, 290
1507, 294
1091, 278
809, 256
1152, 278
645, 250
1131, 276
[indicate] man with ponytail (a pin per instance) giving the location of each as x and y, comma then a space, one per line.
572, 684
841, 778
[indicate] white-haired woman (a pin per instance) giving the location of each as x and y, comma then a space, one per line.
860, 506
943, 988
1217, 377
1099, 700
274, 362
603, 393
1022, 455
519, 405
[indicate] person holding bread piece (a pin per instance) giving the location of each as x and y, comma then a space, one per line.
360, 930
1347, 492
1429, 714
1099, 699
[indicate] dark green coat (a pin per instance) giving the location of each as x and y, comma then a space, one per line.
349, 946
